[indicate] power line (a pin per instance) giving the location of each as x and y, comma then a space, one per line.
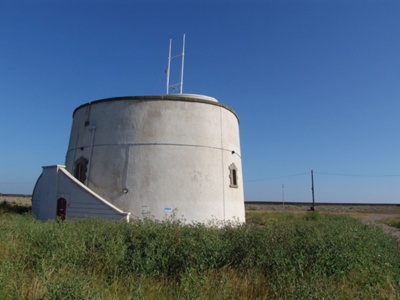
358, 175
277, 177
324, 173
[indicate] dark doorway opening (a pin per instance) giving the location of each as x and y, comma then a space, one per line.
61, 208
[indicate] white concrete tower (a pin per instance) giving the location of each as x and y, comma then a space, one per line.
155, 155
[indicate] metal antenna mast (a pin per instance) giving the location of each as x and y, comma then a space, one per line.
180, 83
169, 64
183, 63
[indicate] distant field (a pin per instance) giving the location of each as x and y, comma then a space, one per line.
16, 198
326, 207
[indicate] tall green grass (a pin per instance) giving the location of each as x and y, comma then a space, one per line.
274, 256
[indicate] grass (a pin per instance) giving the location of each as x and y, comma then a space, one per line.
394, 222
274, 256
11, 207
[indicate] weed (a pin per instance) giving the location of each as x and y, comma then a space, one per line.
10, 207
276, 255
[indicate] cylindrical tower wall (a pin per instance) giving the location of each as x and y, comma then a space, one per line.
159, 154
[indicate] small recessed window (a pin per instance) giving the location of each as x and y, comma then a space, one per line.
233, 176
81, 169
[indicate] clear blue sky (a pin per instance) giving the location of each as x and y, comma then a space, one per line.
316, 84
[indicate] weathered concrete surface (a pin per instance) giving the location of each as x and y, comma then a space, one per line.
161, 154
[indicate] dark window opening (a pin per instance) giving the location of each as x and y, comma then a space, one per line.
233, 176
81, 169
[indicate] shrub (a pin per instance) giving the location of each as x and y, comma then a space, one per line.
280, 255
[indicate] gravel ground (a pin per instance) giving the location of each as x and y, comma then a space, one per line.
374, 220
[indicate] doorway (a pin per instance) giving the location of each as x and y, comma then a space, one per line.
61, 208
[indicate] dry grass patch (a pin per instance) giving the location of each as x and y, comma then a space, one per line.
393, 222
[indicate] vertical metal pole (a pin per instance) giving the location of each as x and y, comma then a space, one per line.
76, 146
183, 63
312, 189
169, 64
283, 196
93, 128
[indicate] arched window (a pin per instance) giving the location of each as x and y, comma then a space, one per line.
81, 169
233, 176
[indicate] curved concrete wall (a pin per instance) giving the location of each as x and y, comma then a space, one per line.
158, 154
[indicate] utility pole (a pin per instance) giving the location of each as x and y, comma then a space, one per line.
283, 196
312, 190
